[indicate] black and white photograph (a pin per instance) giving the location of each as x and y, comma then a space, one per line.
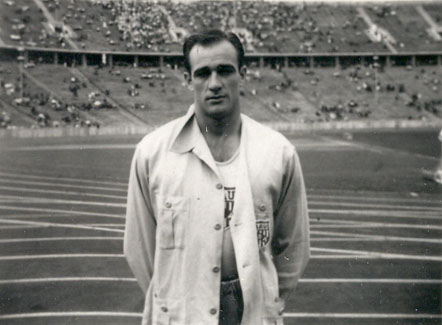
227, 162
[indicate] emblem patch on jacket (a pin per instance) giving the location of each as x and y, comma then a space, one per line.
263, 232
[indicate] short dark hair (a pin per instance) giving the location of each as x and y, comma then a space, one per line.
210, 37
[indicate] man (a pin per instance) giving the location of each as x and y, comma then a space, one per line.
216, 224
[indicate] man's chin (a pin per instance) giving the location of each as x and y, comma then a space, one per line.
218, 111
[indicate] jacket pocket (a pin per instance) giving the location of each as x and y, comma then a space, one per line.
273, 312
171, 222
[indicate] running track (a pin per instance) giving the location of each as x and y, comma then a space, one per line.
376, 230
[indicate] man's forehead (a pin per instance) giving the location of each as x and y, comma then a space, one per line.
222, 53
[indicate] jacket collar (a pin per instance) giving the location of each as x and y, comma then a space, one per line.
188, 133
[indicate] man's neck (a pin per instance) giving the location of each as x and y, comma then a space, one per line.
222, 135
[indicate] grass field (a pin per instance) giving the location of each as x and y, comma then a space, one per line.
376, 228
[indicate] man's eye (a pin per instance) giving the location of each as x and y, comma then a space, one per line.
225, 71
202, 73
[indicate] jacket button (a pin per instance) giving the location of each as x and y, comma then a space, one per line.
219, 186
164, 309
262, 208
215, 269
168, 205
217, 226
213, 311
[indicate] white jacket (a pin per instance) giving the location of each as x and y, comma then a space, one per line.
175, 202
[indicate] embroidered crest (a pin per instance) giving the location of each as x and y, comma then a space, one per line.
263, 232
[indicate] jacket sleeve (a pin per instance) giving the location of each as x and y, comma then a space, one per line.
291, 240
139, 236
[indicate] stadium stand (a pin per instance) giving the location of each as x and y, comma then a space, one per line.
307, 63
120, 25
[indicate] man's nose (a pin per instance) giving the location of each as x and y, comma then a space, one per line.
214, 82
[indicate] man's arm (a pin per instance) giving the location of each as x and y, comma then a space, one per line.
139, 237
291, 240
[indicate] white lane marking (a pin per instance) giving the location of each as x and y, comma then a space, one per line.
345, 239
378, 255
71, 314
20, 227
70, 212
74, 147
83, 187
313, 280
286, 315
341, 257
59, 225
58, 179
380, 237
35, 199
104, 224
371, 196
379, 213
362, 315
55, 256
333, 223
394, 281
67, 279
42, 239
340, 239
34, 190
374, 198
379, 206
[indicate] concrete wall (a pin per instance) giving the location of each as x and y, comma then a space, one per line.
280, 126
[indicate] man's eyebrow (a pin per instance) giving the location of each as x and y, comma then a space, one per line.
207, 68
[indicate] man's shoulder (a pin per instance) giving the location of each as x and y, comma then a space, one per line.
266, 135
161, 136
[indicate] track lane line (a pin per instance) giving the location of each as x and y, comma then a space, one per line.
373, 198
43, 239
71, 314
285, 315
67, 279
378, 255
68, 212
380, 237
34, 199
58, 256
14, 181
334, 223
379, 213
380, 206
362, 315
73, 147
78, 180
307, 281
34, 190
60, 225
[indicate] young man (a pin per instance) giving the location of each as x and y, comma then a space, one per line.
216, 225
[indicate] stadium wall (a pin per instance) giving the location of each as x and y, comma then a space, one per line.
280, 126
142, 59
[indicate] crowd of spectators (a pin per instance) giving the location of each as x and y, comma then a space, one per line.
140, 24
44, 108
159, 26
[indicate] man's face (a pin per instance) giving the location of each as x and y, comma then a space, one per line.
215, 79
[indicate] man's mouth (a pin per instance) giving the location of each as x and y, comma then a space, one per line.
215, 98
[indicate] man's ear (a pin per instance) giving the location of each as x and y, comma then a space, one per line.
243, 71
188, 80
